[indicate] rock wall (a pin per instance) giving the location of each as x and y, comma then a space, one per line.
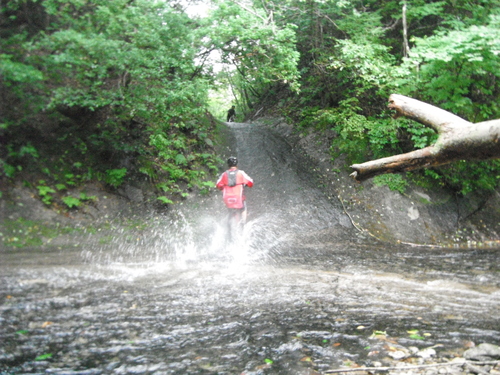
419, 216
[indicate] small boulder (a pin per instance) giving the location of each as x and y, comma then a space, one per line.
483, 352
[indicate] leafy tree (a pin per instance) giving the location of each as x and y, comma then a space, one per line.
458, 70
261, 52
353, 57
92, 85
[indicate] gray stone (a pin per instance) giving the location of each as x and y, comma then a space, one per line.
483, 352
134, 194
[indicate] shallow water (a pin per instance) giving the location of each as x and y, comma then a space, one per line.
299, 290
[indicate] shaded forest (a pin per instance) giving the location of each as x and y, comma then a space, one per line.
113, 90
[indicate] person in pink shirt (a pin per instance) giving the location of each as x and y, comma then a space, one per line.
232, 183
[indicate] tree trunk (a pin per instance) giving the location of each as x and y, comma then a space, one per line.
406, 46
458, 139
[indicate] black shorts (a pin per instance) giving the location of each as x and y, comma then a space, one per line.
241, 210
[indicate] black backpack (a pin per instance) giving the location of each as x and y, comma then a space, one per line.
231, 177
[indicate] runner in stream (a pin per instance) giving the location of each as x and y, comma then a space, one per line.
232, 183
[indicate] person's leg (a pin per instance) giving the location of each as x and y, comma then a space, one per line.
243, 219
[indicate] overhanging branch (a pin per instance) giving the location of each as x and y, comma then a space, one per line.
458, 140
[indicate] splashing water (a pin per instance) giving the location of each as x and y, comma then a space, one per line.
185, 240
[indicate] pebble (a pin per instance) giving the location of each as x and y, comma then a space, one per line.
397, 355
413, 356
426, 353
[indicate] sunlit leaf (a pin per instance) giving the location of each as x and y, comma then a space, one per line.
165, 200
43, 357
71, 201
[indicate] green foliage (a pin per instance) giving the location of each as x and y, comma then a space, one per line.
414, 334
13, 72
368, 66
395, 182
260, 49
458, 70
174, 172
45, 192
259, 52
71, 201
207, 186
95, 84
467, 176
352, 60
85, 197
357, 135
419, 135
115, 177
352, 138
180, 159
43, 357
164, 200
8, 170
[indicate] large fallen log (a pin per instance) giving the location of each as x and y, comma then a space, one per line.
458, 139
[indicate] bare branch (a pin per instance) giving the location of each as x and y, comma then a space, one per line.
250, 11
424, 113
458, 140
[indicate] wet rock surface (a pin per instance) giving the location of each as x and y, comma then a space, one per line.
300, 291
233, 316
419, 216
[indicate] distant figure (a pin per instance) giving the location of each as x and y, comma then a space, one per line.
232, 182
231, 114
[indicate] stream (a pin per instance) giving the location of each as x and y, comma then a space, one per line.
301, 291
